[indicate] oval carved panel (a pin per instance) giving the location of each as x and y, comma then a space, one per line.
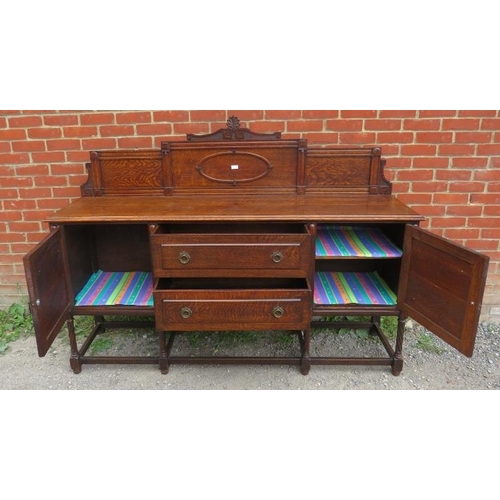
234, 167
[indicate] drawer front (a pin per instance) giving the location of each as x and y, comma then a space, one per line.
209, 310
227, 255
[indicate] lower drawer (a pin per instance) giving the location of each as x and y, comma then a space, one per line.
285, 306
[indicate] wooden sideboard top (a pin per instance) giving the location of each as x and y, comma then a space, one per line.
231, 208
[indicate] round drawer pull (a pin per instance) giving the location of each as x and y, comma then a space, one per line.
184, 257
186, 312
276, 257
278, 312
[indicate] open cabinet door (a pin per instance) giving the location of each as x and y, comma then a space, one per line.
48, 294
441, 286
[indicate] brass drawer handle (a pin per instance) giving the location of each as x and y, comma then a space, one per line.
186, 312
276, 257
278, 312
184, 257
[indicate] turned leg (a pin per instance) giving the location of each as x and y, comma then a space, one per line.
397, 364
375, 321
305, 360
74, 360
163, 353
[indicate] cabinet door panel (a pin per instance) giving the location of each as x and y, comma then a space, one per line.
441, 286
47, 289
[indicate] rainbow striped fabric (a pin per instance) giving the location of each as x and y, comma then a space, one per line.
125, 289
352, 288
353, 241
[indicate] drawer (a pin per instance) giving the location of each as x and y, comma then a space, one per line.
227, 254
236, 307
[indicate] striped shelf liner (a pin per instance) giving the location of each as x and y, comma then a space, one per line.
332, 288
121, 288
353, 241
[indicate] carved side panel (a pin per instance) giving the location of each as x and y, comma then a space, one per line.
345, 170
127, 173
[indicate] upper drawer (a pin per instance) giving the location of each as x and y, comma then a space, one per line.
232, 251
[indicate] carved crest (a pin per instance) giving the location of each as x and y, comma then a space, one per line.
233, 132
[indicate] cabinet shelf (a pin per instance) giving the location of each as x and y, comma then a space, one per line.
354, 242
339, 288
117, 288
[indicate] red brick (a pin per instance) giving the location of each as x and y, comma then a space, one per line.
418, 150
397, 113
80, 131
304, 125
52, 203
61, 119
51, 157
154, 129
491, 233
382, 124
416, 198
430, 211
430, 162
484, 112
320, 113
356, 113
419, 124
247, 114
434, 137
344, 125
457, 234
487, 175
490, 124
456, 150
24, 227
44, 132
460, 124
453, 175
268, 127
209, 116
191, 128
469, 162
394, 137
97, 119
482, 245
19, 205
16, 181
485, 198
322, 137
82, 156
364, 138
67, 169
472, 137
68, 192
14, 158
467, 187
488, 149
51, 180
483, 222
398, 162
10, 134
32, 169
464, 210
449, 222
493, 187
25, 121
28, 146
135, 142
170, 116
283, 114
414, 175
493, 210
116, 130
35, 193
434, 113
134, 117
450, 198
430, 187
97, 143
62, 144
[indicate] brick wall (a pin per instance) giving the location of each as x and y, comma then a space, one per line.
445, 164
